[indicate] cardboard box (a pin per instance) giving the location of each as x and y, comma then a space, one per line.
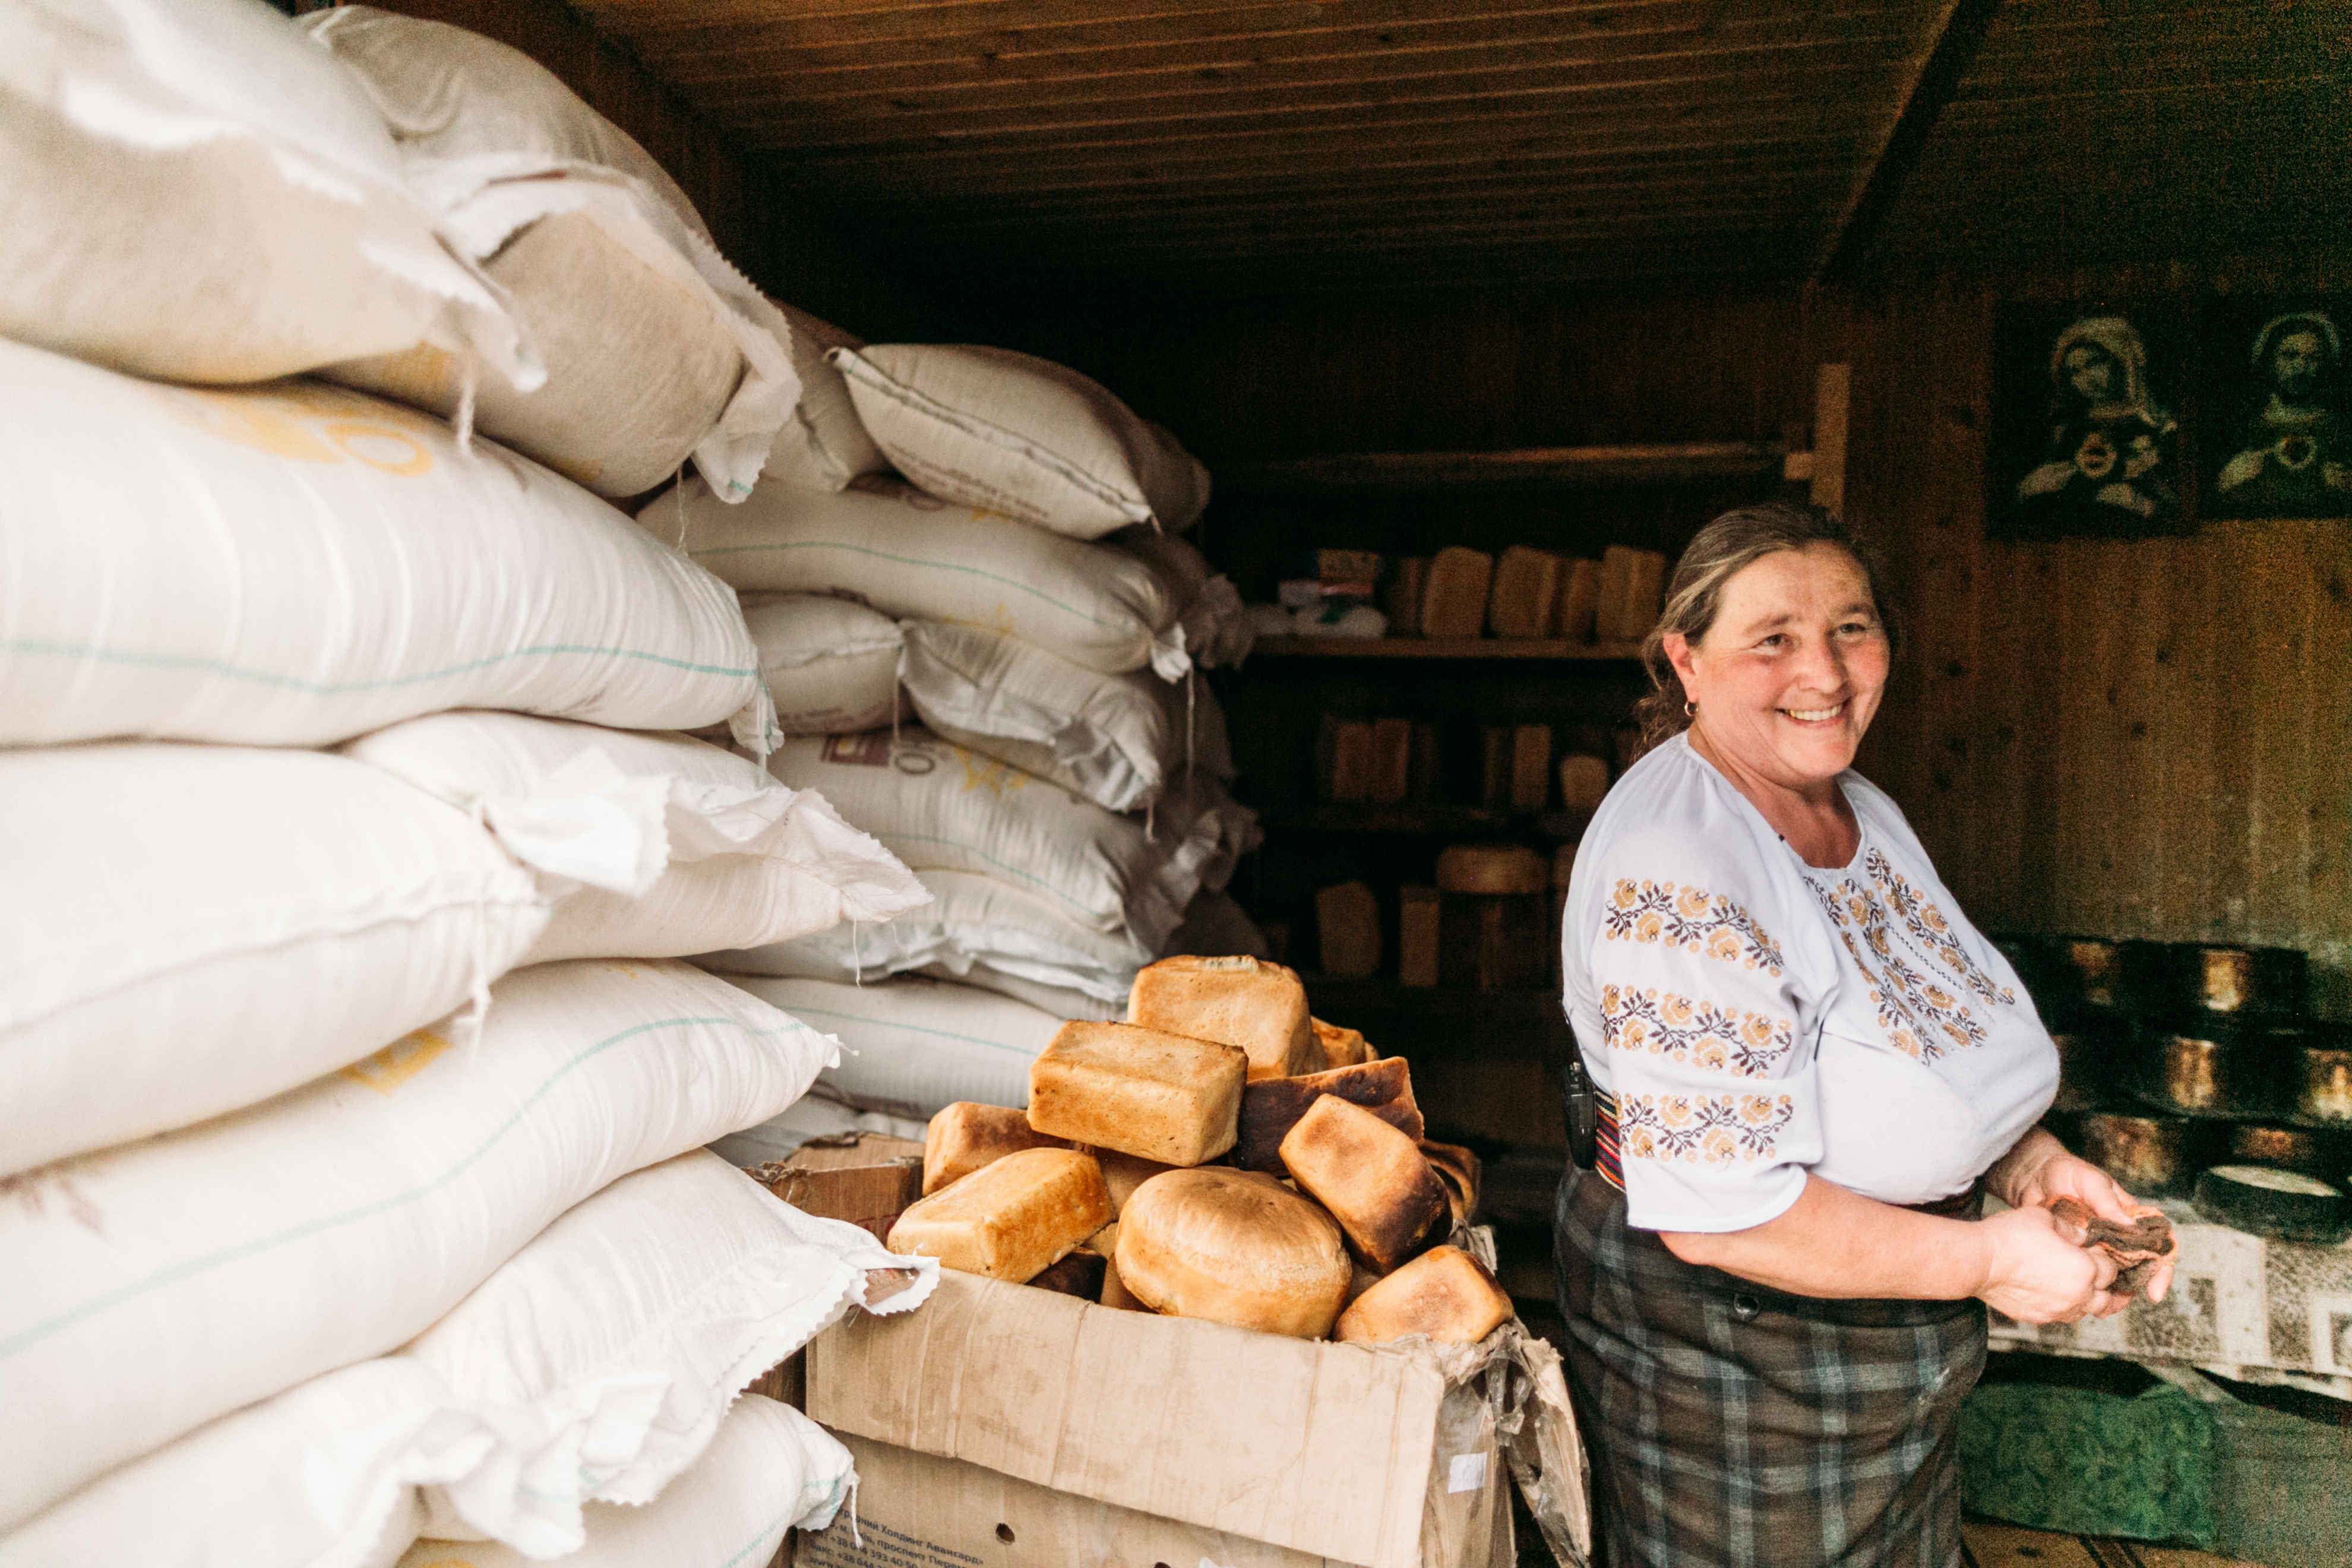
1004, 1425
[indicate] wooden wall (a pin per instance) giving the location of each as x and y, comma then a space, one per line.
2141, 739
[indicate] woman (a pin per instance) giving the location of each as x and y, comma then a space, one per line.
1811, 1067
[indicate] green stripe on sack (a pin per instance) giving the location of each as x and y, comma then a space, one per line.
908, 561
337, 688
909, 1029
1008, 868
24, 1338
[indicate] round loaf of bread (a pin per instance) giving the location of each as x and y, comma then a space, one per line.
1232, 1247
1491, 868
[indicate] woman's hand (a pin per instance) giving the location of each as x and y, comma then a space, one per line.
2034, 1274
2039, 1169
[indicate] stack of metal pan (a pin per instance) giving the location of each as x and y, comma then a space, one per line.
2181, 1059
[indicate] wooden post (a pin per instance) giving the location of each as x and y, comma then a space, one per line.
1831, 387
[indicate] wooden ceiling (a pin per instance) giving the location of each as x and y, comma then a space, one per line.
1405, 142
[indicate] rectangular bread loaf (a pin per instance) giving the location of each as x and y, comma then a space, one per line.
1417, 912
1271, 1107
1391, 765
965, 1136
1616, 579
1445, 1293
1115, 1292
1459, 1169
1237, 1001
1165, 1097
1526, 592
1371, 1177
1579, 596
1645, 588
1403, 600
1530, 767
1122, 1174
1583, 782
1453, 596
1348, 761
1010, 1219
1341, 1048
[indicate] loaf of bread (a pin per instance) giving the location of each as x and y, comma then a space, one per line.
1530, 767
1645, 592
1081, 1274
1114, 1293
1391, 766
1445, 1293
1346, 760
1010, 1219
1341, 1048
1371, 1177
1237, 1001
965, 1136
1123, 1173
1579, 597
1583, 781
1615, 582
1271, 1107
1490, 868
1171, 1098
1458, 1168
1454, 593
1403, 600
1417, 917
1233, 1247
1526, 593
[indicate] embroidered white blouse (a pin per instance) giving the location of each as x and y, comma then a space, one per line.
1756, 1018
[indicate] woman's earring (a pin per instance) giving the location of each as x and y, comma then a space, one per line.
1690, 710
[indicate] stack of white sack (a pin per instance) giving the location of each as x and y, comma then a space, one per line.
563, 1393
272, 1111
654, 347
912, 1045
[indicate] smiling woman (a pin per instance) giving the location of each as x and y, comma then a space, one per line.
1811, 1070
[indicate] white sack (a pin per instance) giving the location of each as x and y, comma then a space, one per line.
889, 545
819, 1113
189, 190
914, 1045
296, 564
654, 345
939, 807
595, 1362
831, 667
155, 1286
1054, 1001
190, 930
771, 1469
648, 845
974, 927
1116, 740
1021, 436
1214, 628
824, 445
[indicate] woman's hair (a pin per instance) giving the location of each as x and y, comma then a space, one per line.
1722, 549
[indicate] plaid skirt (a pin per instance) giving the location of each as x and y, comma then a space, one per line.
1733, 1425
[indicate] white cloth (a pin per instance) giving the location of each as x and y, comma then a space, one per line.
1756, 1018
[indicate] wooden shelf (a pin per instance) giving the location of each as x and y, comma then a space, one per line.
1443, 648
1412, 1019
1643, 463
1430, 819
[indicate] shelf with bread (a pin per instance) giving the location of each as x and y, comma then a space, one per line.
1431, 818
1545, 467
1556, 648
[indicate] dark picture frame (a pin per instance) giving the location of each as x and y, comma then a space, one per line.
2088, 438
2274, 405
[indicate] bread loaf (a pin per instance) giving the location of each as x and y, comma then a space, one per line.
1403, 600
1371, 1177
1235, 1248
1458, 1168
1445, 1293
1583, 781
1271, 1107
1011, 1218
1417, 914
1579, 596
1114, 1293
1453, 593
965, 1136
1530, 767
1526, 593
1245, 1002
1348, 926
1348, 766
1169, 1097
1491, 868
1341, 1048
1391, 765
1122, 1174
1645, 587
1616, 576
1080, 1274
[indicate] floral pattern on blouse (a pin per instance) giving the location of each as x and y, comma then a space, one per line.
1699, 1034
1691, 918
1916, 973
1701, 1129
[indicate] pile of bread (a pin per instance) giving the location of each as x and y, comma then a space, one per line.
1221, 1154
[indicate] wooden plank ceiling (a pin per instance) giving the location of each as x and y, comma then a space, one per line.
1353, 142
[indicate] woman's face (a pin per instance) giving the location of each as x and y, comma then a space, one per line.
2091, 372
1790, 674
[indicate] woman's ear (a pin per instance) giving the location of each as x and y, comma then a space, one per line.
1678, 654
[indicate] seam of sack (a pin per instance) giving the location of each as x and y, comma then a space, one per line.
25, 1338
908, 561
798, 1009
329, 688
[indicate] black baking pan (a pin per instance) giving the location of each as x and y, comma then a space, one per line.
2174, 978
2152, 1156
2284, 1205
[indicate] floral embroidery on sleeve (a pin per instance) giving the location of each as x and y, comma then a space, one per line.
1702, 1129
1691, 918
1700, 1034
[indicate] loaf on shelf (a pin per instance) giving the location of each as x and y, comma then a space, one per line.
1454, 597
965, 1136
1371, 1177
1347, 924
1239, 1001
1233, 1247
1490, 868
1165, 1097
1445, 1294
1526, 593
1404, 599
1012, 1219
1579, 596
1418, 913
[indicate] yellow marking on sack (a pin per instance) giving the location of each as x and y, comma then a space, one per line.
988, 773
311, 424
380, 447
397, 1062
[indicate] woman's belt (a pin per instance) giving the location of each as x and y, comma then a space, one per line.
1608, 1163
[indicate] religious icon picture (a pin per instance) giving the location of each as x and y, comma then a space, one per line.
2086, 438
2272, 410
